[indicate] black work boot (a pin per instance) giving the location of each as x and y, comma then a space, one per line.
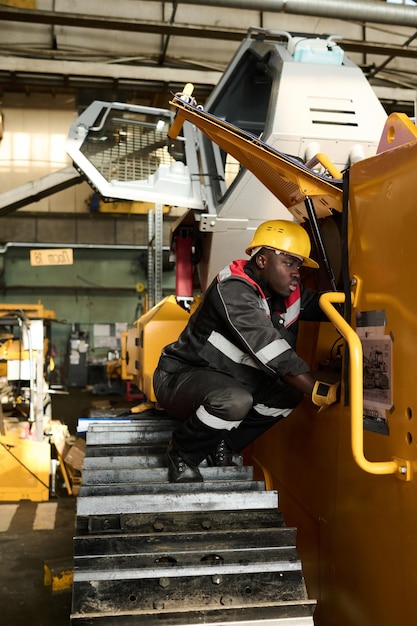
221, 456
178, 470
191, 443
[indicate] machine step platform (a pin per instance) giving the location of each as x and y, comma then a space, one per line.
148, 552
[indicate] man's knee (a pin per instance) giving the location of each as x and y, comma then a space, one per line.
229, 403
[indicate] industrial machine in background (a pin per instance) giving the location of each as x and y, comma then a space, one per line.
25, 407
292, 131
37, 451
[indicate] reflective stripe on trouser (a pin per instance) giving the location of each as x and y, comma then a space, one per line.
215, 422
194, 441
252, 427
220, 399
272, 401
238, 412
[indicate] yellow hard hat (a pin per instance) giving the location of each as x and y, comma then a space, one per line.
286, 236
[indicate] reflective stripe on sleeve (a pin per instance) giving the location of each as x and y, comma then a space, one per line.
272, 350
235, 354
229, 349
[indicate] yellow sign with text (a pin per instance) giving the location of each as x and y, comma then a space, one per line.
53, 256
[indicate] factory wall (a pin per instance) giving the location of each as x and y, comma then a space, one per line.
107, 282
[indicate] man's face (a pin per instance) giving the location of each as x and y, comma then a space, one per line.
280, 271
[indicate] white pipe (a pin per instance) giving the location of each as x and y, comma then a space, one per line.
356, 10
76, 246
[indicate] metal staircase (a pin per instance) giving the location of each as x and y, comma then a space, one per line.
150, 552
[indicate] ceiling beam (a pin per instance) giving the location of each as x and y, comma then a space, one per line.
377, 48
59, 18
372, 11
179, 30
349, 10
114, 71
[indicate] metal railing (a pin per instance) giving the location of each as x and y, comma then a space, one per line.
399, 467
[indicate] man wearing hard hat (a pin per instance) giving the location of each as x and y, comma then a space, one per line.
233, 372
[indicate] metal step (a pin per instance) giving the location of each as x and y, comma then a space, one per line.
275, 536
193, 599
128, 435
139, 421
192, 501
297, 613
146, 556
159, 475
151, 552
135, 457
118, 450
138, 566
216, 486
133, 425
193, 521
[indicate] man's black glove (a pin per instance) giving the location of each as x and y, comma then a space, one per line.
325, 394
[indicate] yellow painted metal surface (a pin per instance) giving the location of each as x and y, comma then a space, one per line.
12, 349
398, 130
399, 467
24, 469
350, 487
130, 208
155, 329
286, 178
21, 4
36, 311
124, 371
357, 531
58, 574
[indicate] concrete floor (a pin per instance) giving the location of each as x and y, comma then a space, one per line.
33, 534
25, 546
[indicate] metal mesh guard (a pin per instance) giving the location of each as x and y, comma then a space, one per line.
128, 146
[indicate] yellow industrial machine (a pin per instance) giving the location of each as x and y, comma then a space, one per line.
25, 415
330, 158
146, 339
346, 478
